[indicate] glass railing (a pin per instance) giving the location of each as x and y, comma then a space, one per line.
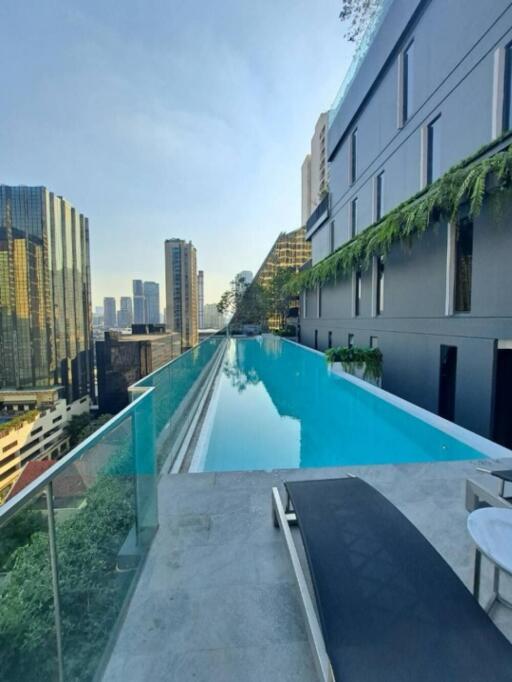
176, 386
73, 542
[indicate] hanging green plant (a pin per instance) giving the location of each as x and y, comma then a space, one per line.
467, 182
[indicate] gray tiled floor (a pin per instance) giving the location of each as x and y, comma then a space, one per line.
216, 600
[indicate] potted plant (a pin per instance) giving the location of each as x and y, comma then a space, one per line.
363, 363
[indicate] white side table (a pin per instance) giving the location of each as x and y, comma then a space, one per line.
491, 531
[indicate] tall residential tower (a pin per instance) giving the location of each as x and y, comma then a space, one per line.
181, 290
151, 302
200, 299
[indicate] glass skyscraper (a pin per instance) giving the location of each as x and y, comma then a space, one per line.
45, 293
152, 302
139, 307
181, 290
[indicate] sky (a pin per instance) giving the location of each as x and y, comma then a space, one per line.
168, 118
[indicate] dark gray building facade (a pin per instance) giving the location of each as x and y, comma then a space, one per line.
433, 87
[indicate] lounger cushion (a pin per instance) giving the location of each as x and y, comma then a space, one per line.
391, 609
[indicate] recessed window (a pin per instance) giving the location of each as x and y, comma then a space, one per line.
353, 157
316, 339
379, 294
407, 82
329, 340
379, 196
463, 266
350, 340
434, 150
353, 218
357, 293
374, 341
507, 90
331, 236
319, 301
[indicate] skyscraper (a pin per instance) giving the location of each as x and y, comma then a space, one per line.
109, 312
45, 293
242, 281
139, 308
151, 302
315, 173
181, 290
125, 313
200, 299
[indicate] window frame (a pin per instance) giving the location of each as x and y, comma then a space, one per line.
432, 134
507, 90
463, 223
406, 94
352, 163
353, 218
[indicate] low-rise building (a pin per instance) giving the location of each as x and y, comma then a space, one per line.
32, 427
123, 359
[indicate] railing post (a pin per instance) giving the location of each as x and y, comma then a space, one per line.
145, 469
55, 577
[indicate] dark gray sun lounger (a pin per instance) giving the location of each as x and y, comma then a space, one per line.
390, 609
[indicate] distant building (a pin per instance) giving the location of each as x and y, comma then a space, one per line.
109, 312
200, 299
290, 250
123, 359
32, 427
125, 313
212, 318
315, 174
242, 281
45, 293
181, 290
151, 302
139, 305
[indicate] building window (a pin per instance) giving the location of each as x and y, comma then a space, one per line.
304, 304
319, 300
329, 340
357, 293
350, 340
379, 294
353, 157
331, 236
316, 339
507, 90
407, 82
353, 218
463, 266
374, 341
433, 150
379, 196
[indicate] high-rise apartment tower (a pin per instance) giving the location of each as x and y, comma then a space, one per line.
181, 290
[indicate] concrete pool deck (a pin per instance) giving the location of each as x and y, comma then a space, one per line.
217, 602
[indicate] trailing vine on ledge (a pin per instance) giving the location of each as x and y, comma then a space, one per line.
465, 183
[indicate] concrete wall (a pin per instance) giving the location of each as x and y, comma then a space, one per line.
456, 48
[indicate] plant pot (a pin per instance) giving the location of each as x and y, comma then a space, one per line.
356, 369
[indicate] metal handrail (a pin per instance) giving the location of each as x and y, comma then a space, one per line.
8, 509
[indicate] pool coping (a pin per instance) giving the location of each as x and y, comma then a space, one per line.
479, 443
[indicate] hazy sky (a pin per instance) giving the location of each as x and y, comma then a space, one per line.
168, 118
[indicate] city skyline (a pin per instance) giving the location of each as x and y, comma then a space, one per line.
125, 102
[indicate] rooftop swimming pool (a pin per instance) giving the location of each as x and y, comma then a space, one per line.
276, 405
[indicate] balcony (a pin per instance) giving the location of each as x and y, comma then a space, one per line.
100, 581
318, 217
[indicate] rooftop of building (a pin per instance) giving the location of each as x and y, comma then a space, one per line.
217, 600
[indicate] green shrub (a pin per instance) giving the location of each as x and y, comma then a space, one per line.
371, 358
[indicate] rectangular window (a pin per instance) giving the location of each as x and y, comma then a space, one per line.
319, 301
463, 266
433, 150
407, 82
350, 340
379, 297
379, 196
304, 304
316, 339
353, 218
374, 341
507, 90
357, 293
329, 340
331, 236
447, 382
353, 157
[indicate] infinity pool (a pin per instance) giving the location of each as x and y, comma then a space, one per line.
276, 405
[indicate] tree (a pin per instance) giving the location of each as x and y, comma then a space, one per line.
279, 298
357, 15
75, 425
249, 306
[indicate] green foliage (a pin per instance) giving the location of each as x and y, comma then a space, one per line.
278, 295
464, 184
91, 589
18, 421
17, 532
371, 358
93, 426
75, 425
287, 331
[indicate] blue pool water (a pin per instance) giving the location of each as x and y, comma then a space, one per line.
278, 406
